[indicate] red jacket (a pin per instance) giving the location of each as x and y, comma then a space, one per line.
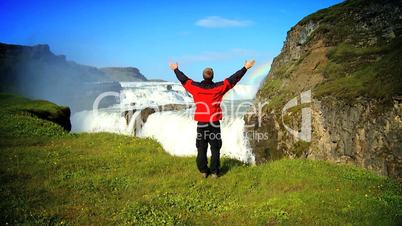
208, 95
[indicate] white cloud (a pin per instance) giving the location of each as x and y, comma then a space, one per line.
219, 22
217, 56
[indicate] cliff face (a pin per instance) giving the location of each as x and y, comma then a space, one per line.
349, 56
35, 72
124, 74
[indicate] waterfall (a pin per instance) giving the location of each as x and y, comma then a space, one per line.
175, 130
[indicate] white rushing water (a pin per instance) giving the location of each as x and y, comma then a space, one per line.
175, 130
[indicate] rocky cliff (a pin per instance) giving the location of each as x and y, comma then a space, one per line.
124, 74
349, 57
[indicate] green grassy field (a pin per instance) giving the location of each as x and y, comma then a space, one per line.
48, 176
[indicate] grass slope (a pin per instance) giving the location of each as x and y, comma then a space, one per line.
59, 178
20, 116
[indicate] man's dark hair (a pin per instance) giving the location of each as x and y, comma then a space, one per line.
208, 73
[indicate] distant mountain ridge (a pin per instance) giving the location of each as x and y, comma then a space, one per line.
36, 72
124, 74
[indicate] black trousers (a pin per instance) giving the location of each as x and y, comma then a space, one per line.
208, 133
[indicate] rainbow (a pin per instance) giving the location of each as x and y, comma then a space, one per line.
259, 73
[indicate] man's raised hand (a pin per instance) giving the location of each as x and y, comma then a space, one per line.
173, 66
249, 63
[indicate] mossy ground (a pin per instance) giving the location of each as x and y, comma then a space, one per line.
58, 178
372, 72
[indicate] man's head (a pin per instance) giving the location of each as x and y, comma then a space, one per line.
208, 74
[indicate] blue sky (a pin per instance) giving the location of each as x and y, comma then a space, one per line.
147, 34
